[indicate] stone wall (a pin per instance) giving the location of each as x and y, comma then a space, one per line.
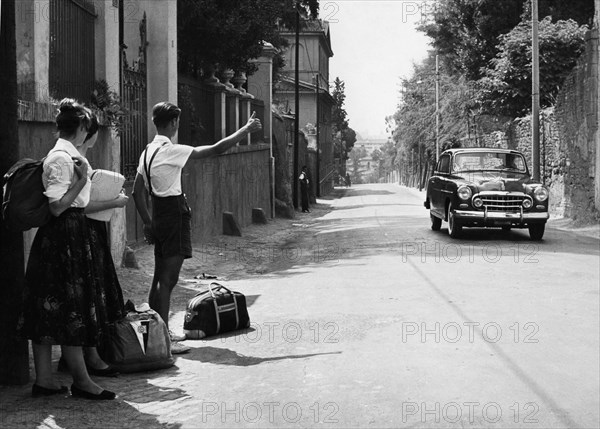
568, 141
552, 162
236, 181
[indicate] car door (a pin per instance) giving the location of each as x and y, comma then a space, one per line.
438, 184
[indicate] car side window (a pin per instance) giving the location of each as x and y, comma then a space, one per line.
444, 164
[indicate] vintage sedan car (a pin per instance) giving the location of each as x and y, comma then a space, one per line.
483, 187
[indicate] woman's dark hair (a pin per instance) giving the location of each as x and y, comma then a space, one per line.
71, 116
163, 113
94, 125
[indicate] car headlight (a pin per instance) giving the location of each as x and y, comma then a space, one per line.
527, 203
477, 202
540, 193
464, 192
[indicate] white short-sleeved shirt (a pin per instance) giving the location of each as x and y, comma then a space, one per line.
58, 174
165, 171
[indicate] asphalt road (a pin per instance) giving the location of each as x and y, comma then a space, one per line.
375, 320
370, 319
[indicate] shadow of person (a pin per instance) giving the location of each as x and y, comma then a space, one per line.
19, 409
222, 356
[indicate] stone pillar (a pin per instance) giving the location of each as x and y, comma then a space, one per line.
232, 108
107, 68
219, 107
233, 112
161, 52
260, 84
245, 103
33, 49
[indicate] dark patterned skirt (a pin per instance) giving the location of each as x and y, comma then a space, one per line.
62, 299
109, 296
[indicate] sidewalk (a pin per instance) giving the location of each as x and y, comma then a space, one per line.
169, 398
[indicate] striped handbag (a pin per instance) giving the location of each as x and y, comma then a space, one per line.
215, 311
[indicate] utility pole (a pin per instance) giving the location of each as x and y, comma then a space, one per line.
318, 172
437, 107
14, 357
535, 93
297, 109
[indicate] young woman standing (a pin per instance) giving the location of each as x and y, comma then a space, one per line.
59, 306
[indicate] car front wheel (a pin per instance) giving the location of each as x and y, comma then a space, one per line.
454, 226
536, 231
436, 222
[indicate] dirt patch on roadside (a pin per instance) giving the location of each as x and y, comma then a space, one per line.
261, 249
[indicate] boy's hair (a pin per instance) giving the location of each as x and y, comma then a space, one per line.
94, 125
163, 113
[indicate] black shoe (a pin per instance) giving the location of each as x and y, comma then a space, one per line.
37, 391
80, 393
109, 371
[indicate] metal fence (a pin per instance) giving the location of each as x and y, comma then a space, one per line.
197, 121
134, 133
72, 56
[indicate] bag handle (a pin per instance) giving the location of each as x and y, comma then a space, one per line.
217, 312
220, 287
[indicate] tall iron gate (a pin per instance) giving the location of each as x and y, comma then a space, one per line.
134, 131
72, 54
134, 137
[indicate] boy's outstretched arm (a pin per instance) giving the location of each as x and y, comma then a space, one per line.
228, 142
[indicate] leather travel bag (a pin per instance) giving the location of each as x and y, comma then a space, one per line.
215, 311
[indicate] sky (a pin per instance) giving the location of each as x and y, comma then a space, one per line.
375, 43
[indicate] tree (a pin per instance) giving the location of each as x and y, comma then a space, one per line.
466, 33
355, 156
344, 136
506, 85
228, 33
376, 155
339, 114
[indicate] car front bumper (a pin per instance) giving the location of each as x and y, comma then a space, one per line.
500, 218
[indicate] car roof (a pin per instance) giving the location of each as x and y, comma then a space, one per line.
480, 149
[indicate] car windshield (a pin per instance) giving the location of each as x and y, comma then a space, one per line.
473, 161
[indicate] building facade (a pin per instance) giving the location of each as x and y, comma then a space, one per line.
316, 102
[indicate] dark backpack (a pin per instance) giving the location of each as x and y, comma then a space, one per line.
24, 205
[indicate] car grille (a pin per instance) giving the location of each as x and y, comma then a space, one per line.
503, 203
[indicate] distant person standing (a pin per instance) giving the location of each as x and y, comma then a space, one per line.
348, 183
304, 186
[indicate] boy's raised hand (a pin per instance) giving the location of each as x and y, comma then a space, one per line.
253, 123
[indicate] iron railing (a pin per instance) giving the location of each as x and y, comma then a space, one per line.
134, 134
72, 56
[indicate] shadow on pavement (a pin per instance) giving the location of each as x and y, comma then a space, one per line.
222, 356
19, 409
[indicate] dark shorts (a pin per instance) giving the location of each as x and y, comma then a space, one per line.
172, 227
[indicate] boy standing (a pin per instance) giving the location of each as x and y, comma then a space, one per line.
169, 228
